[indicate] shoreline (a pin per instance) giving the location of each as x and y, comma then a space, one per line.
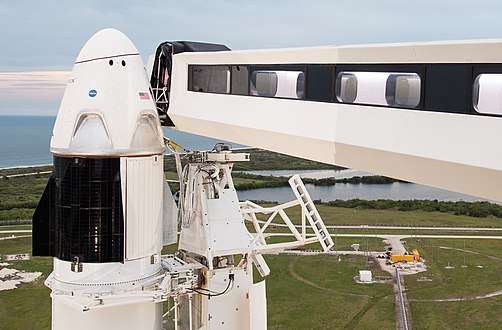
24, 166
167, 153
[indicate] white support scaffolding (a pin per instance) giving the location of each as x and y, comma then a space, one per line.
215, 227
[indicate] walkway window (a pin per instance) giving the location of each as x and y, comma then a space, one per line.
403, 90
487, 93
277, 83
379, 88
210, 79
240, 80
346, 84
264, 83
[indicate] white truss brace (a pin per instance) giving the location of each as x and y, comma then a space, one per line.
309, 212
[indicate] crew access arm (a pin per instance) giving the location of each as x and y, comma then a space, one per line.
425, 113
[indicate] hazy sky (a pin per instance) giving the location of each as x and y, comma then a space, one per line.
41, 39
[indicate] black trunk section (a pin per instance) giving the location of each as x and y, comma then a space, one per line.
80, 213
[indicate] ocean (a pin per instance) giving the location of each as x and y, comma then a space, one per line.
25, 140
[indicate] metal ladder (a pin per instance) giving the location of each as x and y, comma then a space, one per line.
311, 212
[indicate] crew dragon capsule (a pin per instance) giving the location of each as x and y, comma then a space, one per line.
104, 215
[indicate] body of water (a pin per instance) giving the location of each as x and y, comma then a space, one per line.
346, 191
25, 140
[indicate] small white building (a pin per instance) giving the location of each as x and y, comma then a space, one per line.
365, 276
355, 247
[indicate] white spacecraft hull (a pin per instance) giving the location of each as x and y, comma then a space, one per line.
140, 315
102, 214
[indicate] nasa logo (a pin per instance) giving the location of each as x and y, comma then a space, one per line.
93, 93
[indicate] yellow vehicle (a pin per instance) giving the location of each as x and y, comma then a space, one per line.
414, 256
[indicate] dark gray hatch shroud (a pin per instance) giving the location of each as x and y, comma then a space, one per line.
160, 80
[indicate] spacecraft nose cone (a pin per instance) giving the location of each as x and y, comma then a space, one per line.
106, 43
107, 109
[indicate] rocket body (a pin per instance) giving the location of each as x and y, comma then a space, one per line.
101, 215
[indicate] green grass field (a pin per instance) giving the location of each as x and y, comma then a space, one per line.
459, 282
303, 292
29, 306
313, 292
317, 292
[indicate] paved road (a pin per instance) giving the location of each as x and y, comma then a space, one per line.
401, 236
397, 247
13, 237
395, 240
417, 228
24, 174
400, 227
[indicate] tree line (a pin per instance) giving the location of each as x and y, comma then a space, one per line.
472, 209
254, 181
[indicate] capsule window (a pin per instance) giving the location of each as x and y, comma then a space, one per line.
278, 83
210, 79
487, 93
